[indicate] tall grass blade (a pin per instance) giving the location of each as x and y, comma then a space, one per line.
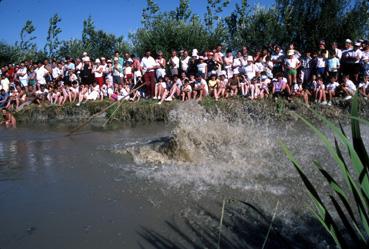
321, 212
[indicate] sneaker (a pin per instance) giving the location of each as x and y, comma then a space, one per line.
155, 97
330, 103
78, 104
324, 102
348, 98
159, 103
169, 99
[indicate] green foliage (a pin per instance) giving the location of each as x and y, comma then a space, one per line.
73, 48
183, 11
99, 43
353, 215
52, 39
307, 22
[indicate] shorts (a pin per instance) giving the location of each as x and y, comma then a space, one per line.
320, 70
292, 72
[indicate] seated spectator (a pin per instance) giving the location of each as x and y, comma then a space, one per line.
348, 87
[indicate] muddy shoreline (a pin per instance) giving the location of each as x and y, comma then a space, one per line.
150, 111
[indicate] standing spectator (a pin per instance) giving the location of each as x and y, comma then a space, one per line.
333, 65
337, 50
149, 66
292, 64
161, 62
185, 59
218, 58
228, 63
117, 72
306, 68
41, 73
277, 59
98, 71
23, 75
174, 63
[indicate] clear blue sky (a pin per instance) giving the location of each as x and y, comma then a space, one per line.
114, 16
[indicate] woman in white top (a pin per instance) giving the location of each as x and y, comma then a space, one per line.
250, 68
228, 63
160, 71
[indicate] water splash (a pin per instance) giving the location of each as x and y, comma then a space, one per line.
207, 150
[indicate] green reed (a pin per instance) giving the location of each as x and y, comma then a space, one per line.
351, 228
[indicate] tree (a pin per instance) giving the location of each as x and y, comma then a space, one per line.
53, 42
73, 48
213, 8
183, 11
307, 22
149, 13
99, 43
26, 38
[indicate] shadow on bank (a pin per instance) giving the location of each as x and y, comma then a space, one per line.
244, 226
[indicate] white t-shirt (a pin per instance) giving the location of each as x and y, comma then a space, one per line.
250, 71
40, 75
332, 86
292, 63
320, 62
56, 72
351, 85
148, 62
98, 71
23, 79
202, 67
174, 62
185, 63
5, 84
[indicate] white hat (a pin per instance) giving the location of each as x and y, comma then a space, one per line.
250, 58
348, 41
102, 58
357, 44
109, 61
97, 61
84, 53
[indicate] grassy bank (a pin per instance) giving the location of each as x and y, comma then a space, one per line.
149, 111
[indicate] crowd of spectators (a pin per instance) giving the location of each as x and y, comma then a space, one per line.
318, 76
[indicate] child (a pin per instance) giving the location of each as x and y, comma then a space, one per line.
331, 89
186, 90
201, 87
333, 65
364, 87
320, 92
264, 86
222, 86
213, 85
348, 87
159, 87
234, 84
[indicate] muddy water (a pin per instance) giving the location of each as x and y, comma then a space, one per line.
112, 189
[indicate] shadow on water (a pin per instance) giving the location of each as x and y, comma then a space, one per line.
243, 227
